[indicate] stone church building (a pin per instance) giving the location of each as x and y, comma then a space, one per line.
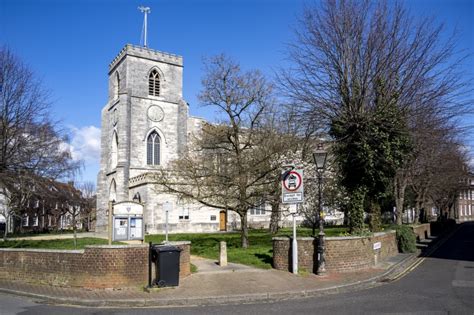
145, 125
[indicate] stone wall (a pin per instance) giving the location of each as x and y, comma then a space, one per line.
95, 267
343, 254
422, 231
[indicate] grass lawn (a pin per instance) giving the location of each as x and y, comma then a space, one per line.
55, 244
259, 253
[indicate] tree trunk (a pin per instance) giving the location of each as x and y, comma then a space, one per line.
375, 220
244, 229
275, 217
357, 211
418, 206
400, 185
7, 219
74, 229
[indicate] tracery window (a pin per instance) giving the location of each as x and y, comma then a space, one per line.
153, 149
154, 83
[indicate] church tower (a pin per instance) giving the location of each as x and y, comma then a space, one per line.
144, 123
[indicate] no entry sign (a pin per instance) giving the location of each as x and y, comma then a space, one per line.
292, 186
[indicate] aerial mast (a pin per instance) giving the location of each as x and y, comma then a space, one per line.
145, 11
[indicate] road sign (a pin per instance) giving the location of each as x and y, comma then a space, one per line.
292, 186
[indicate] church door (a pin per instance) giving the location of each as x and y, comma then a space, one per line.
222, 221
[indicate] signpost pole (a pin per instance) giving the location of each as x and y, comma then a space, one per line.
110, 223
292, 193
166, 225
295, 245
167, 207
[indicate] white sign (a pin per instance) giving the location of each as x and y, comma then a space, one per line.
167, 206
292, 186
128, 208
377, 245
292, 197
136, 227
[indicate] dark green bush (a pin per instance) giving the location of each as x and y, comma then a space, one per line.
406, 239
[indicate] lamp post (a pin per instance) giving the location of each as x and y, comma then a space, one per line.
320, 160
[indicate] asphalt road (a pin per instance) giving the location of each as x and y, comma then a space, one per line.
442, 284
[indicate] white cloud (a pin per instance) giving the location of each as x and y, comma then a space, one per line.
85, 144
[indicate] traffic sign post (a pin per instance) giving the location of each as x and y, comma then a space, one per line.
292, 192
167, 207
292, 188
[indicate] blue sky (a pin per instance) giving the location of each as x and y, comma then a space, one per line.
69, 45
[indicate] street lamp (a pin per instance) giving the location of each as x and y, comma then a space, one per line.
320, 156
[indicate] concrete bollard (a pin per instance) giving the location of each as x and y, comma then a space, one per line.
223, 254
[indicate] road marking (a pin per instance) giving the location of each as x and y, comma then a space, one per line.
463, 283
409, 269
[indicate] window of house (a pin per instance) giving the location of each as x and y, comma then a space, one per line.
24, 220
153, 149
213, 218
35, 220
258, 210
184, 214
154, 83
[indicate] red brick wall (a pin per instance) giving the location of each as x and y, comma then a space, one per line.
422, 231
306, 253
93, 267
184, 258
343, 254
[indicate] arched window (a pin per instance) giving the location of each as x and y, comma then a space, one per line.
117, 84
154, 83
153, 149
113, 191
114, 151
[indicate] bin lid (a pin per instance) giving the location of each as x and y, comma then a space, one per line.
166, 248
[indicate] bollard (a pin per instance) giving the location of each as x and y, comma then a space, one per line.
223, 254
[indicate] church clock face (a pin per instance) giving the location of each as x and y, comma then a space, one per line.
155, 113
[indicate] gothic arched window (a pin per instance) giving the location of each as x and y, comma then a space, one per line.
117, 85
114, 151
153, 149
154, 83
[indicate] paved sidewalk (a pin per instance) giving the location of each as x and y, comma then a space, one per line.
213, 284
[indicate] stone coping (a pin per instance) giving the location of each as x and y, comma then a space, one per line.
176, 243
73, 251
286, 238
117, 246
42, 250
333, 238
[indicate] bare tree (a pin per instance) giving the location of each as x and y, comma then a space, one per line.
361, 69
89, 195
231, 165
31, 145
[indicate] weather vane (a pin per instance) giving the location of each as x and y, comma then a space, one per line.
145, 11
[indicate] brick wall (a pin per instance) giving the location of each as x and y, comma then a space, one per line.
94, 267
343, 254
306, 253
422, 231
184, 258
